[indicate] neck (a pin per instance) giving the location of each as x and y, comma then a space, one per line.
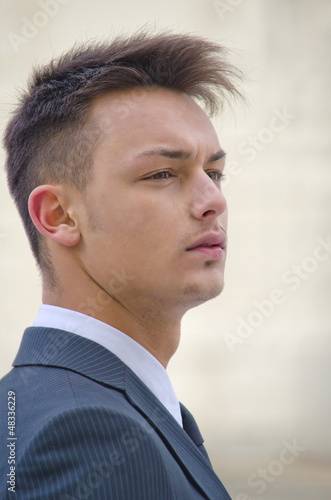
154, 326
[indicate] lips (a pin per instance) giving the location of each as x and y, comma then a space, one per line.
211, 246
210, 241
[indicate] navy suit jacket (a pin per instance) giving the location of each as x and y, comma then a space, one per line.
88, 428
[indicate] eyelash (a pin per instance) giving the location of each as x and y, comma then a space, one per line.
154, 176
219, 175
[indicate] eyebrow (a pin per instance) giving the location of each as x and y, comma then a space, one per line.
180, 154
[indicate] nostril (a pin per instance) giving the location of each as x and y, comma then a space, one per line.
208, 212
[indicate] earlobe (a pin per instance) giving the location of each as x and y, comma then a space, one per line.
49, 213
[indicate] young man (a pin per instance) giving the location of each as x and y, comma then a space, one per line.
116, 173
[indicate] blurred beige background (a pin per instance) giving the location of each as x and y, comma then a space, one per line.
254, 364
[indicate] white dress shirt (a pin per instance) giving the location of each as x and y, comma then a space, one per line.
136, 357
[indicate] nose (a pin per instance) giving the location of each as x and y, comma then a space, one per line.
208, 200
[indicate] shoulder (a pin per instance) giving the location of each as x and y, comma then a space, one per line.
103, 452
80, 439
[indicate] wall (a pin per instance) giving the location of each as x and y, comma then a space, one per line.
254, 364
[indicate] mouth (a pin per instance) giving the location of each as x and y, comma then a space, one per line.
212, 246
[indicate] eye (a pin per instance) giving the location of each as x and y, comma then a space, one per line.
215, 175
164, 174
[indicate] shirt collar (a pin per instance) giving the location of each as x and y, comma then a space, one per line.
142, 363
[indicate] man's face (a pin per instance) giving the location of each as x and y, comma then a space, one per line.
154, 221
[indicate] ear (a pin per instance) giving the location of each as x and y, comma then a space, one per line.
50, 214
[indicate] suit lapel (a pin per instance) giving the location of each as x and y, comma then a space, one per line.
179, 443
52, 347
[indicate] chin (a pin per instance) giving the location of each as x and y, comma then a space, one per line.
198, 294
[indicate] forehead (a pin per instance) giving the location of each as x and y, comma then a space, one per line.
133, 120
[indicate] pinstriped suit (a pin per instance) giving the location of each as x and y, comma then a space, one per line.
88, 428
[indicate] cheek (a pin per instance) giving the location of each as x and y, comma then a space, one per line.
149, 217
224, 219
135, 223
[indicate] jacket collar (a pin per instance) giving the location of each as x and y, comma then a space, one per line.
52, 347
